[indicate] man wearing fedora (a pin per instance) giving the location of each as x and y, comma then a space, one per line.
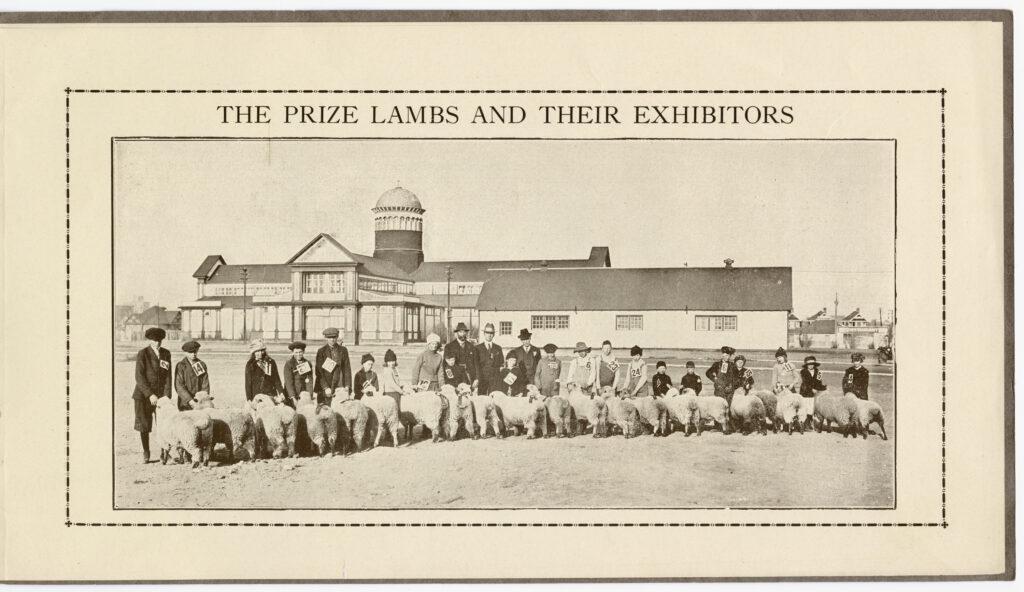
810, 378
465, 353
333, 369
152, 380
298, 372
724, 375
856, 378
489, 362
527, 356
261, 374
190, 376
583, 368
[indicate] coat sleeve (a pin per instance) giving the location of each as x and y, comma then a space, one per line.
167, 381
536, 376
248, 381
276, 377
289, 382
181, 384
204, 381
346, 370
775, 375
711, 371
415, 377
140, 375
323, 378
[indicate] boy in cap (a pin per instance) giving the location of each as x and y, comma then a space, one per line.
583, 368
489, 361
856, 378
261, 375
298, 373
810, 378
691, 380
723, 374
548, 372
152, 380
366, 378
451, 371
333, 369
512, 380
744, 376
190, 376
527, 355
465, 353
426, 370
783, 372
661, 381
637, 373
608, 368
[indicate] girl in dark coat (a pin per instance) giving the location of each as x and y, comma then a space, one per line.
512, 380
261, 375
810, 378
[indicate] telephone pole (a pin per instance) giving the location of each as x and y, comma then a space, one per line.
448, 309
245, 306
836, 313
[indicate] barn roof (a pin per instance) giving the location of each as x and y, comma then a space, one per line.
207, 266
686, 288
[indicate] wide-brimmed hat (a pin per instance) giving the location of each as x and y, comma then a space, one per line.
728, 350
256, 345
297, 345
636, 350
461, 327
190, 347
155, 334
489, 328
811, 361
857, 358
331, 332
550, 348
581, 346
525, 334
780, 352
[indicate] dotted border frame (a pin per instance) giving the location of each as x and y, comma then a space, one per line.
67, 270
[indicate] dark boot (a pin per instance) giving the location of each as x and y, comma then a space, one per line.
145, 447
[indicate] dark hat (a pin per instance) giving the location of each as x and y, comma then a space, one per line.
636, 350
550, 348
511, 355
451, 351
780, 352
857, 358
190, 347
389, 356
367, 357
461, 327
661, 364
297, 345
155, 334
811, 361
581, 346
728, 350
330, 332
489, 328
606, 342
690, 365
525, 334
740, 357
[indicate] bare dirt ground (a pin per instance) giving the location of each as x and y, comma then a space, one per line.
713, 470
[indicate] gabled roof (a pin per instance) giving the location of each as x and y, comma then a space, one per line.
258, 274
371, 265
479, 271
156, 316
853, 315
818, 315
680, 288
793, 317
207, 267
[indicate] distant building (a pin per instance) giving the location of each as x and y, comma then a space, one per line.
136, 323
853, 331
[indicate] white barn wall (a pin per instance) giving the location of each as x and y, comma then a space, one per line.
662, 328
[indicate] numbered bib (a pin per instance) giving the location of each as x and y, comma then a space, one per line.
553, 365
199, 368
165, 364
268, 370
448, 372
304, 367
613, 366
423, 384
510, 379
634, 372
329, 365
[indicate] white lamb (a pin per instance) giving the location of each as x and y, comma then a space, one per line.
486, 413
714, 408
427, 409
622, 413
189, 433
788, 411
868, 412
588, 411
653, 414
683, 408
559, 411
319, 423
458, 410
747, 412
353, 419
383, 413
234, 428
522, 412
276, 427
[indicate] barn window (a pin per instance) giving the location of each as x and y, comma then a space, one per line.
629, 322
549, 322
716, 323
505, 328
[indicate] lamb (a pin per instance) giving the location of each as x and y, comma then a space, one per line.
683, 408
522, 412
788, 411
384, 413
716, 409
622, 413
486, 413
868, 412
587, 411
747, 411
234, 428
319, 422
559, 411
771, 404
837, 409
276, 427
459, 410
189, 433
353, 418
653, 414
427, 409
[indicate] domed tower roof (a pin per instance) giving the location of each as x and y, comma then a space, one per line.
398, 197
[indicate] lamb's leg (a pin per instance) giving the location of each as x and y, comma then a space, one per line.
435, 431
881, 426
393, 427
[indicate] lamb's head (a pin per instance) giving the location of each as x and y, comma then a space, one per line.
607, 392
740, 392
572, 387
343, 394
779, 388
261, 400
464, 389
532, 391
689, 391
449, 391
496, 394
165, 403
204, 400
672, 392
407, 389
305, 398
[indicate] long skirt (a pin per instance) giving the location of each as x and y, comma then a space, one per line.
143, 415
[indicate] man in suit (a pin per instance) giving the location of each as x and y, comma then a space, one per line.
527, 356
190, 376
724, 375
333, 369
465, 353
489, 362
152, 380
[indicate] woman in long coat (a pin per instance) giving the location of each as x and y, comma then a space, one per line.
261, 375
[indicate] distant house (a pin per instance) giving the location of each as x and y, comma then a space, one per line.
135, 325
794, 322
853, 331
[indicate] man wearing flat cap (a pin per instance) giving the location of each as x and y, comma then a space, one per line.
527, 356
465, 353
190, 376
489, 362
724, 375
333, 369
298, 372
855, 380
261, 374
152, 380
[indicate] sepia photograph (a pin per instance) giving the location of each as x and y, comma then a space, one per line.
391, 324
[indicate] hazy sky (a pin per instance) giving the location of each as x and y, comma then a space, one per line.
824, 208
